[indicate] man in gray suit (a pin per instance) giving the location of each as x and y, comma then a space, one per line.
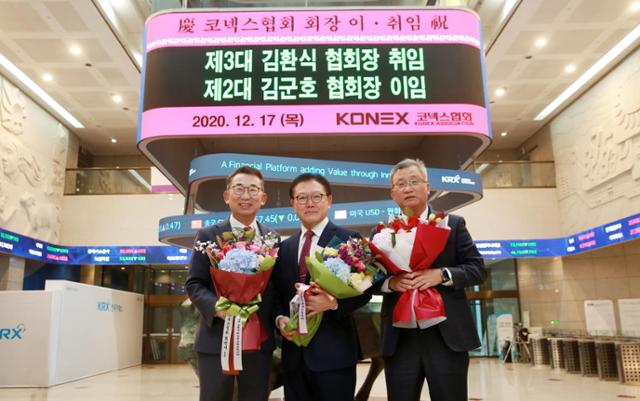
245, 196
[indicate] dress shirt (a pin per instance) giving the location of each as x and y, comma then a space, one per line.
237, 225
317, 232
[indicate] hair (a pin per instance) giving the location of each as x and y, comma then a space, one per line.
407, 163
245, 170
310, 177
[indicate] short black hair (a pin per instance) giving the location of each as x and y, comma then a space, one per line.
310, 177
245, 170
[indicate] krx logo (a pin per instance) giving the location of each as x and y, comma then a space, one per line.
12, 333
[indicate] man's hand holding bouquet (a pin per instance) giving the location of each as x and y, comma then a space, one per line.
341, 270
405, 247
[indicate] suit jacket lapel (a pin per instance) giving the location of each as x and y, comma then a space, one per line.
225, 226
327, 234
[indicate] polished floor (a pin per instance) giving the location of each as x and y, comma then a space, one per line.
489, 379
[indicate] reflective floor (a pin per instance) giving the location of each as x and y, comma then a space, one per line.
488, 380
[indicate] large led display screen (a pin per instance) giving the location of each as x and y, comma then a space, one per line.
300, 72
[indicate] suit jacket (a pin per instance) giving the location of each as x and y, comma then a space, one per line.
203, 295
335, 344
462, 258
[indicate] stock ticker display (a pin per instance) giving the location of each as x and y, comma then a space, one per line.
618, 231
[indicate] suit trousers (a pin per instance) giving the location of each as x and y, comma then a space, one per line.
253, 380
423, 354
332, 385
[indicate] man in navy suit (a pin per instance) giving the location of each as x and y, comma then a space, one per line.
245, 196
325, 370
439, 353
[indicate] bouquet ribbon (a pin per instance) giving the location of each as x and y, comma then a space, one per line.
306, 327
237, 317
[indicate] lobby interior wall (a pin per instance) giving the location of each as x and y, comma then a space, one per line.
116, 219
556, 288
513, 213
133, 219
596, 146
33, 157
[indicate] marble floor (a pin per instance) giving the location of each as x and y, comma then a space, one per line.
489, 379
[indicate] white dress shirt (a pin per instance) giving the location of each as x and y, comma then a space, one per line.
237, 225
317, 232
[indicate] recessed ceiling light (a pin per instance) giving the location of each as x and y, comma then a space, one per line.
116, 98
541, 42
569, 68
504, 133
75, 50
114, 140
635, 6
598, 66
37, 91
501, 91
47, 77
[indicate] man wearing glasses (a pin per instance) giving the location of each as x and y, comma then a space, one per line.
326, 368
439, 353
245, 196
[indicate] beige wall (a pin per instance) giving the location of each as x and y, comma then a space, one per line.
116, 219
556, 288
524, 213
133, 219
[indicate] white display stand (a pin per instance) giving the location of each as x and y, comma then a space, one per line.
599, 317
629, 310
67, 332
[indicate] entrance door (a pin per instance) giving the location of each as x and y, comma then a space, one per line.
162, 334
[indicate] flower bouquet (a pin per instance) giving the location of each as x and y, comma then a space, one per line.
241, 264
412, 245
344, 270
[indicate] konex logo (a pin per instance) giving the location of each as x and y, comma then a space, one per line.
12, 333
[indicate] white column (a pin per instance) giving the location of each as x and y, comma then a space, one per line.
11, 272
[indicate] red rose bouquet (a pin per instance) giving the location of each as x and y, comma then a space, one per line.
412, 245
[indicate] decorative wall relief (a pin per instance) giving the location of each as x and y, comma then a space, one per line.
596, 144
33, 148
12, 108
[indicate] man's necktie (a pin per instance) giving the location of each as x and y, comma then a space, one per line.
306, 248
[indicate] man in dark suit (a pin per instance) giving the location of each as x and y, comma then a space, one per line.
245, 196
325, 370
439, 353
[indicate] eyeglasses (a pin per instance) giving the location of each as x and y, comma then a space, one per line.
400, 186
238, 190
304, 198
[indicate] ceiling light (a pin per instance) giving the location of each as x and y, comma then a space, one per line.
75, 50
635, 6
599, 65
501, 91
541, 42
26, 81
569, 68
116, 98
47, 77
504, 133
114, 140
